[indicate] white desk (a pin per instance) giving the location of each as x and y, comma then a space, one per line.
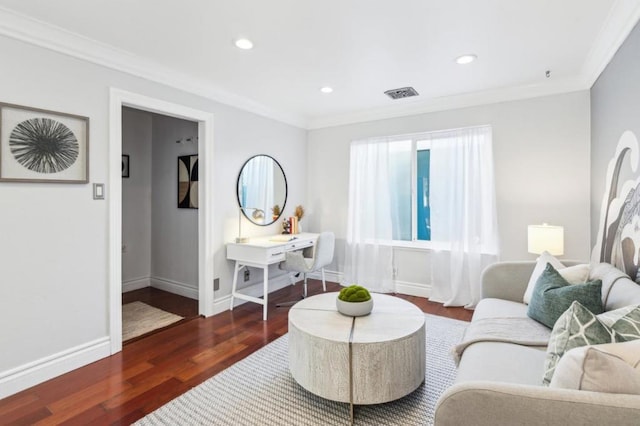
260, 253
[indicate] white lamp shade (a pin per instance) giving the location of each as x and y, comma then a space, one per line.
546, 238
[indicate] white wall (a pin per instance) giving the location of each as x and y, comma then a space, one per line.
174, 231
136, 199
53, 237
541, 155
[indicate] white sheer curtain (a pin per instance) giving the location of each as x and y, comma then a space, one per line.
463, 213
368, 251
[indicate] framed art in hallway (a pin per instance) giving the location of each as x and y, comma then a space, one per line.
38, 145
188, 182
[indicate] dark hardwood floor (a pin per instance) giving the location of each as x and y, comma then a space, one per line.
151, 371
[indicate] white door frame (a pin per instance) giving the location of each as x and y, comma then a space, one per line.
119, 98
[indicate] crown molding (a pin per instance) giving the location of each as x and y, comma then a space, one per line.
622, 18
42, 34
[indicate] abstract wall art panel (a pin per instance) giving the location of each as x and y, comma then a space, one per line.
188, 182
37, 145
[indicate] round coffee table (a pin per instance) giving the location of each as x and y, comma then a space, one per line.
372, 359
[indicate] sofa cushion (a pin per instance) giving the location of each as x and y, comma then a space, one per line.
553, 295
502, 362
618, 290
499, 308
611, 368
576, 327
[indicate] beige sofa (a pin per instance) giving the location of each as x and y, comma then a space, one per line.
501, 383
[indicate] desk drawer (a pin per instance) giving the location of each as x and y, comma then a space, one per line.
277, 254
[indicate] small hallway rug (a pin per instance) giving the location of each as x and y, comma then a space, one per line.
259, 390
139, 318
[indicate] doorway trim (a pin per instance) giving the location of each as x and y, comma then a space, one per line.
120, 98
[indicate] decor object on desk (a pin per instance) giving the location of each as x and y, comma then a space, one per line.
257, 215
299, 214
286, 226
354, 301
263, 185
188, 182
293, 225
275, 212
38, 145
125, 166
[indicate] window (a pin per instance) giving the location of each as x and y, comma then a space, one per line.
431, 184
409, 182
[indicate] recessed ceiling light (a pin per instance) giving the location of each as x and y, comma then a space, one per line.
466, 59
326, 89
243, 43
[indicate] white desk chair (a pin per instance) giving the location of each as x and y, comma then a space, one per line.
322, 256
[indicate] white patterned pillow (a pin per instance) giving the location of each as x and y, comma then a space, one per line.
573, 274
577, 326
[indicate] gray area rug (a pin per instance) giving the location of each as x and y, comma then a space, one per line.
139, 318
259, 390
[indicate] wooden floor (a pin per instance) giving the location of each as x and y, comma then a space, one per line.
152, 371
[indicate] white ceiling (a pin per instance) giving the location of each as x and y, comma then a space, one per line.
359, 47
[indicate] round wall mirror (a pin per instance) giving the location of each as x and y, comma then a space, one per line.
262, 190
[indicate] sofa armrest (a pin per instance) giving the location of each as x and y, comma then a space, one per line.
506, 280
496, 404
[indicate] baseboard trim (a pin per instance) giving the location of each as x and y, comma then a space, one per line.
30, 374
175, 287
333, 276
413, 289
136, 284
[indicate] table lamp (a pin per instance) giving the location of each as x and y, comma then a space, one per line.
545, 238
257, 214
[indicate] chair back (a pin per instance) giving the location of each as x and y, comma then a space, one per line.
324, 250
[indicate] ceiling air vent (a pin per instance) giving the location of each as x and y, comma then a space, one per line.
403, 92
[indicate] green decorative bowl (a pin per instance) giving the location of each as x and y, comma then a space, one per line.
354, 309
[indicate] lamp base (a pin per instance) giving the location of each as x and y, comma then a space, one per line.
242, 240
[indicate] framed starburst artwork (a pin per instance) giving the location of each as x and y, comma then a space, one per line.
38, 145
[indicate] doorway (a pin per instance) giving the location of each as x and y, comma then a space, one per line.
159, 222
204, 120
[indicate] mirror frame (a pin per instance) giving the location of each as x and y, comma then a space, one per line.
286, 191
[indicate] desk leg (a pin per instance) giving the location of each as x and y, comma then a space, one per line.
265, 279
235, 283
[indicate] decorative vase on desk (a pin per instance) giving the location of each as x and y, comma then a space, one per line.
354, 301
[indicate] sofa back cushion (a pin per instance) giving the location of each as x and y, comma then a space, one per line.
618, 290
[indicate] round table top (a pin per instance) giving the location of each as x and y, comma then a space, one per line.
391, 319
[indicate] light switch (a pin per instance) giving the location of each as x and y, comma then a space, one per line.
98, 191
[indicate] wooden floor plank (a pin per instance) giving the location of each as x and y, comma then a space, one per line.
153, 370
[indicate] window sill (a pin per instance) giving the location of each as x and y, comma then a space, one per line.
419, 245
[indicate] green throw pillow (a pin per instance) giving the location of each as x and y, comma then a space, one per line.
553, 295
580, 327
629, 325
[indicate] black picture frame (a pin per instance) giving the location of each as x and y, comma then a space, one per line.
188, 182
125, 166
